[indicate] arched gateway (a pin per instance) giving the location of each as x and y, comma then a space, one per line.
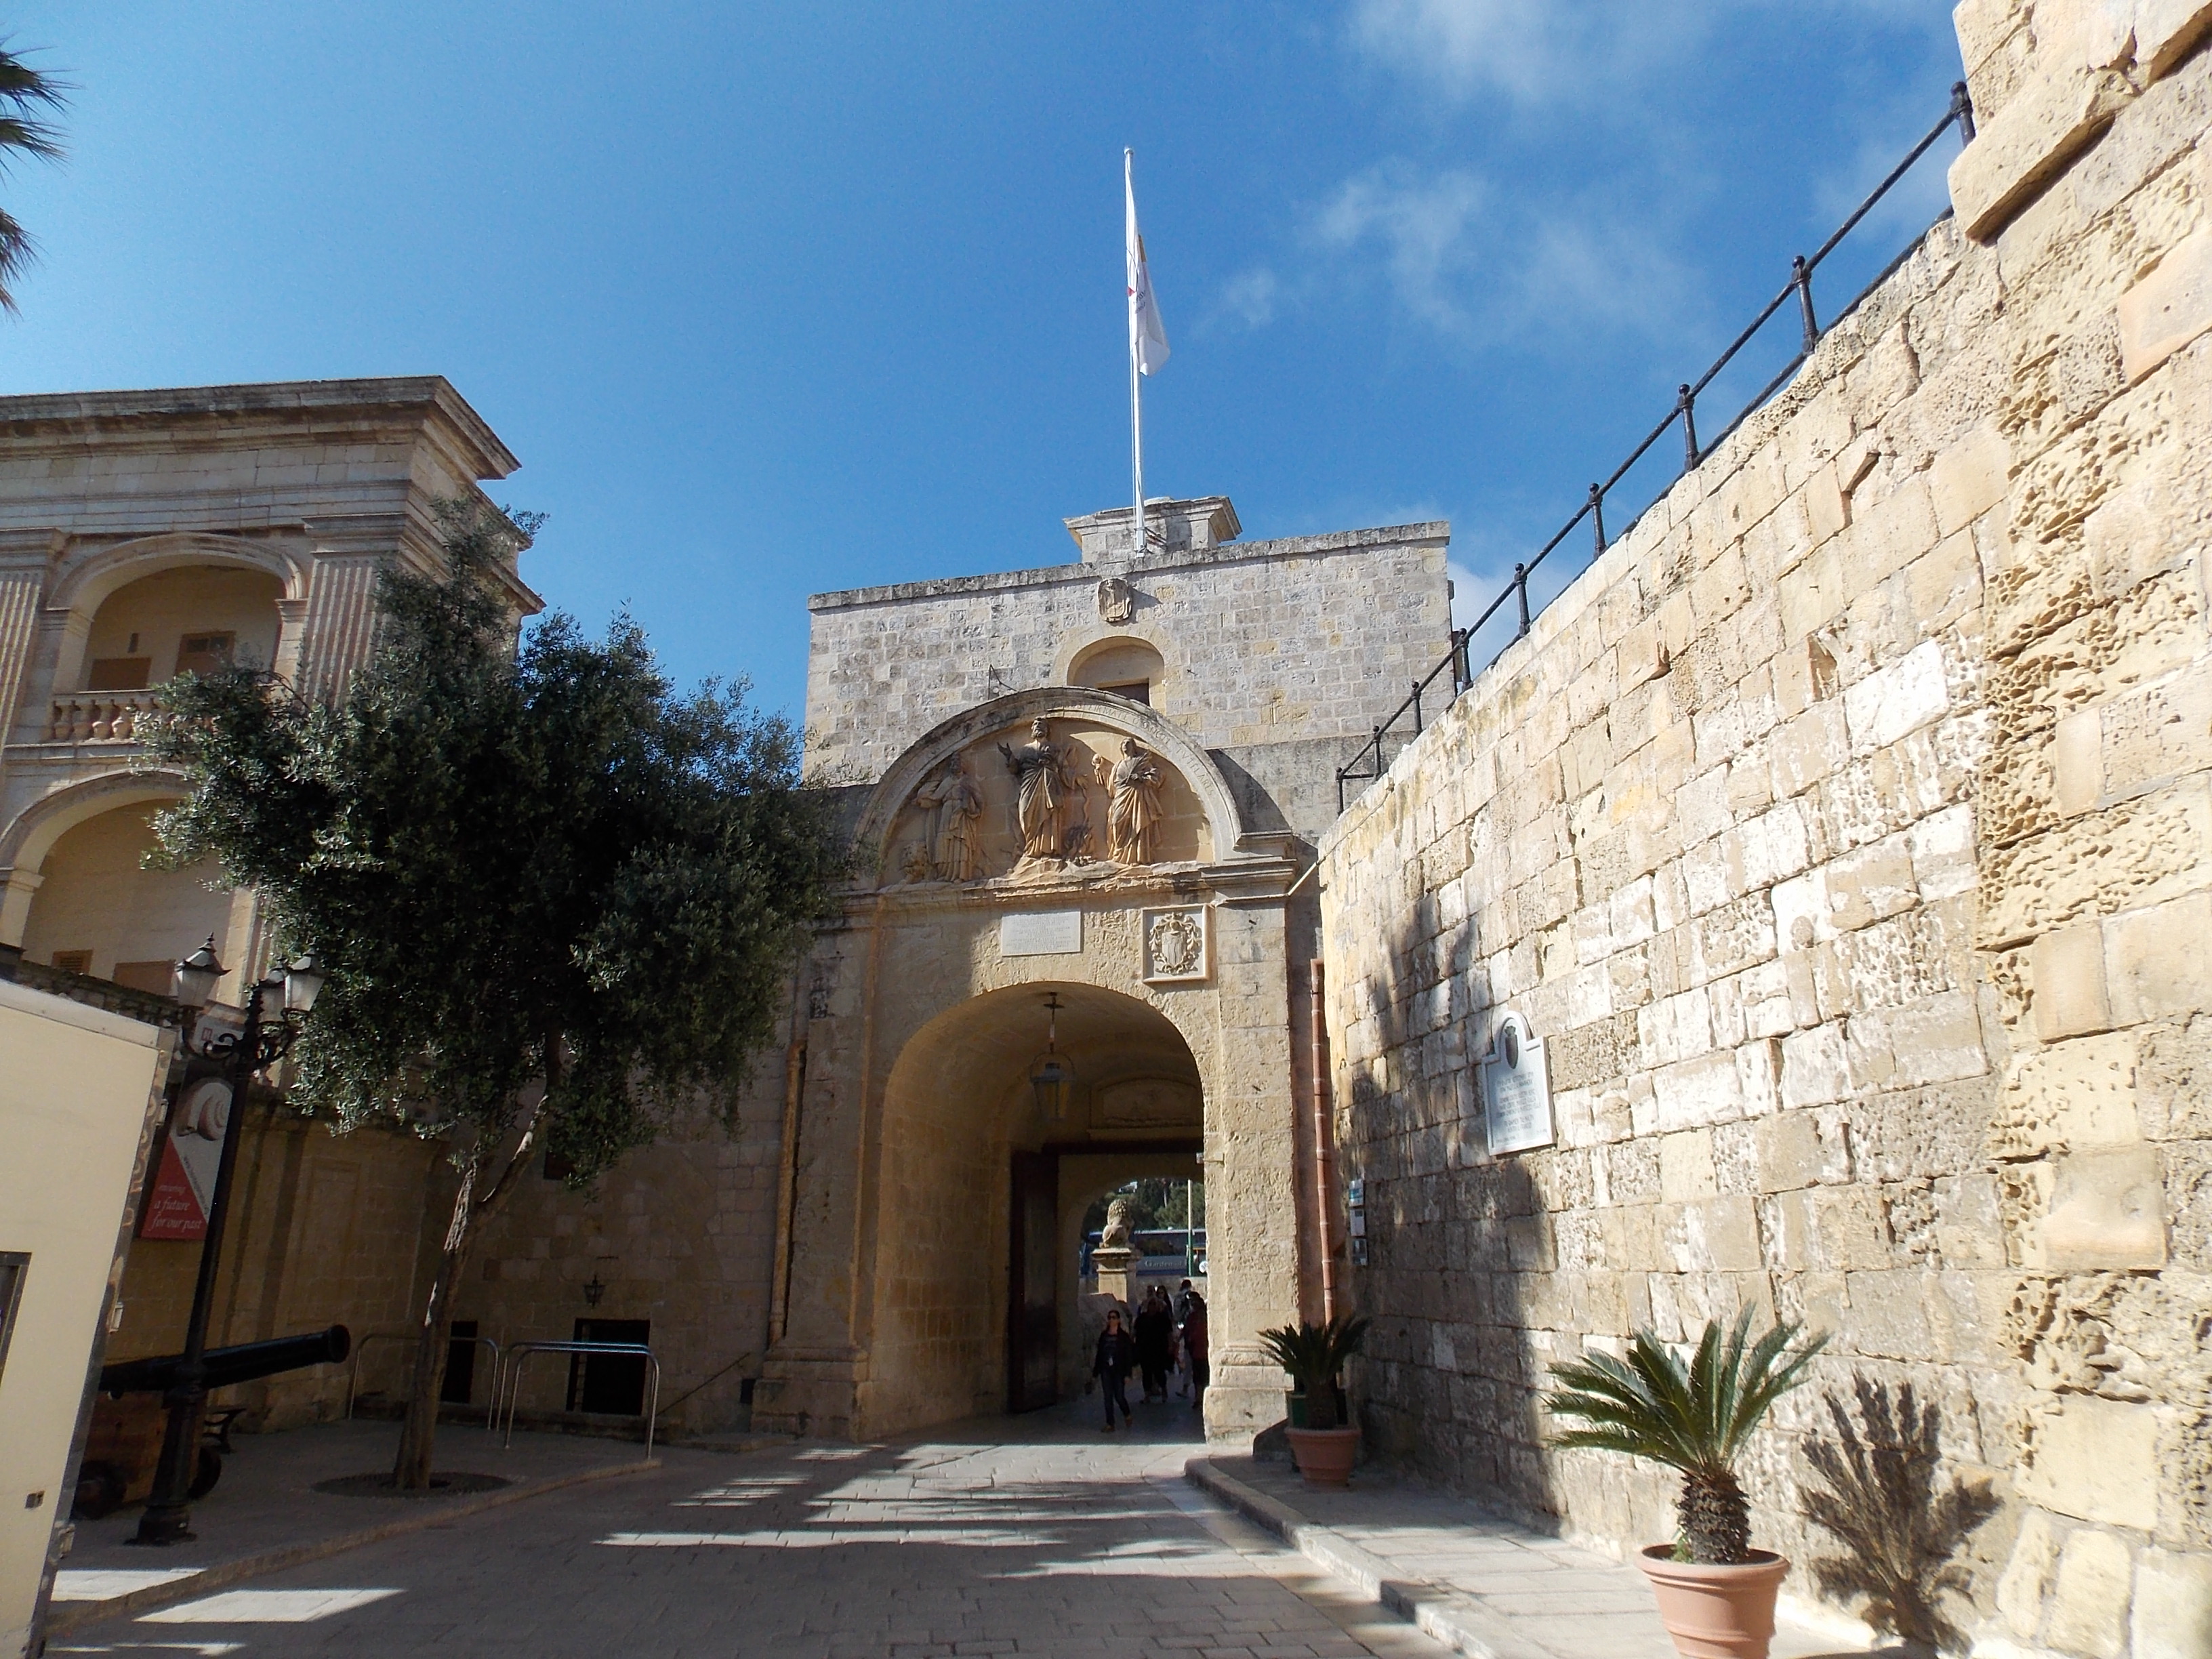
1061, 875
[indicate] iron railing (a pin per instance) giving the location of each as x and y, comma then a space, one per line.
1370, 761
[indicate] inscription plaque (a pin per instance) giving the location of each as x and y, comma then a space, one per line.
1516, 1090
1040, 934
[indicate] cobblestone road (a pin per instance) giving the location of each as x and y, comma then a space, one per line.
1034, 1535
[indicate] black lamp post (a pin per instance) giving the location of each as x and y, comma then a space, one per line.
261, 1044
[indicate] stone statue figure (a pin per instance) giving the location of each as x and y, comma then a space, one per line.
956, 807
1132, 810
1047, 787
1114, 1235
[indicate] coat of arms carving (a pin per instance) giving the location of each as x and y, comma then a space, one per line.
1117, 600
1175, 945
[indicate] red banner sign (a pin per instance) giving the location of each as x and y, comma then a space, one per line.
177, 1205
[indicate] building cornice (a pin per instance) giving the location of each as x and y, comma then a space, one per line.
1436, 531
166, 416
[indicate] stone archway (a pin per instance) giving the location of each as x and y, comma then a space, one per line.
968, 1289
924, 1007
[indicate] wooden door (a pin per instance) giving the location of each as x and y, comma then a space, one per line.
1032, 1290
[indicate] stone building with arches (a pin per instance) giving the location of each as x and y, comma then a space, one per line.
1089, 793
147, 533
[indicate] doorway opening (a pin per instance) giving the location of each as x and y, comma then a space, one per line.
610, 1384
979, 1234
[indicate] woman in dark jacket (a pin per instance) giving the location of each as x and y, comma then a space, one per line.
1110, 1367
1155, 1335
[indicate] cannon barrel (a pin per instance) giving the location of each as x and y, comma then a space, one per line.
241, 1363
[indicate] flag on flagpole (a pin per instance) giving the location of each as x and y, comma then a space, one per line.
1148, 336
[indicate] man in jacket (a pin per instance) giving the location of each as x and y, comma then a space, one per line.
1110, 1366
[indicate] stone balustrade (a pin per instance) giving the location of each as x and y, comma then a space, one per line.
99, 716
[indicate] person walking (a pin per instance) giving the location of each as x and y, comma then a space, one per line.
1111, 1365
1195, 1349
1155, 1335
1183, 1349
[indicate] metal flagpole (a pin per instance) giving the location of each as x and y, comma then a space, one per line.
1136, 387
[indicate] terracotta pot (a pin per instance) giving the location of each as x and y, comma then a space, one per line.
1324, 1455
1715, 1612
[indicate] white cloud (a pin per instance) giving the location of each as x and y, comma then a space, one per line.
1249, 296
1420, 229
1560, 52
1482, 265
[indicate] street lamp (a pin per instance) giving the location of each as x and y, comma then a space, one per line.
1050, 1076
259, 1045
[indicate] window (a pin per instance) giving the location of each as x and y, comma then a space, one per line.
205, 654
118, 673
73, 962
1134, 690
14, 1266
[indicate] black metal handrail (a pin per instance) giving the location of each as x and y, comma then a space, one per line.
1368, 762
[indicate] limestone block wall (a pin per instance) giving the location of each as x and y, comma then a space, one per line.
1843, 833
1262, 642
681, 1234
324, 1228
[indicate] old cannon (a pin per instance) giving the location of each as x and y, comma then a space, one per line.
131, 1415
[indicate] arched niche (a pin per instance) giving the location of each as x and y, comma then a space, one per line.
194, 617
98, 910
89, 579
27, 841
1122, 664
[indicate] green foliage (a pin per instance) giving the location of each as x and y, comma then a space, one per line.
1155, 1202
1314, 1355
527, 867
26, 95
1695, 1420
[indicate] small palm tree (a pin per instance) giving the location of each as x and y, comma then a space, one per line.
1695, 1420
1313, 1355
26, 95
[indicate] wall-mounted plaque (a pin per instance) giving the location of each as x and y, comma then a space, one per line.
1517, 1090
1040, 934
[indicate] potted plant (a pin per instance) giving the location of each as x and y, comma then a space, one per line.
1715, 1593
1313, 1355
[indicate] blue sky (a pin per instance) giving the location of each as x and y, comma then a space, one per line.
773, 299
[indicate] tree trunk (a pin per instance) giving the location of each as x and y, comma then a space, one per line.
433, 1340
410, 1470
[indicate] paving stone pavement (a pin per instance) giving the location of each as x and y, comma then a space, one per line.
1035, 1535
1483, 1583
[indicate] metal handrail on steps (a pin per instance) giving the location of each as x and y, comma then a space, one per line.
512, 1378
353, 1368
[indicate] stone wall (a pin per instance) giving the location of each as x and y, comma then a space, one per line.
1843, 832
325, 1229
1263, 643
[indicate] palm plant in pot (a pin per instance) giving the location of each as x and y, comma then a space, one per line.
1715, 1592
1313, 1355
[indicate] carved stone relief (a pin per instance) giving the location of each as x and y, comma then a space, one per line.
1072, 800
1132, 805
1117, 600
1175, 944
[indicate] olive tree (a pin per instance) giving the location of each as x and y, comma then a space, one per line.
558, 901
